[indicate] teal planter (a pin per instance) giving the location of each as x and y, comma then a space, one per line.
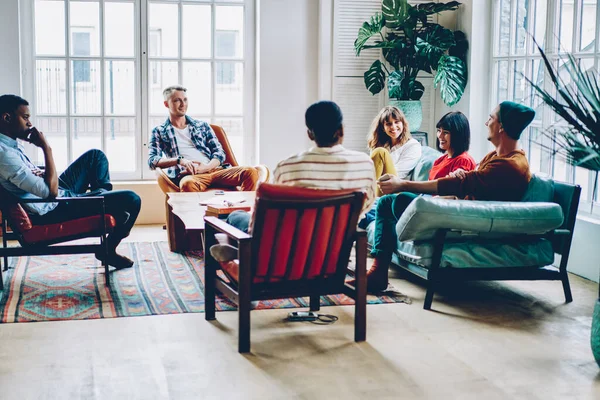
595, 338
412, 110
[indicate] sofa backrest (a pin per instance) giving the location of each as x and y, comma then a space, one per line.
421, 170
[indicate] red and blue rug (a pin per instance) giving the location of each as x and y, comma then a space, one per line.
161, 282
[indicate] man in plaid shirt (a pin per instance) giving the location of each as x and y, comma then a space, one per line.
190, 152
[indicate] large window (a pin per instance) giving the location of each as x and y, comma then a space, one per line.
100, 67
558, 26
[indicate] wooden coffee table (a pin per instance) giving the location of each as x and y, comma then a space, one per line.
185, 216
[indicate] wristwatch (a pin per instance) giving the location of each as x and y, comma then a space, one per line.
179, 158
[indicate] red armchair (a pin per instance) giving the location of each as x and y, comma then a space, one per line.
42, 239
300, 246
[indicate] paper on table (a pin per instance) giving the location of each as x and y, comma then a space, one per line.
220, 202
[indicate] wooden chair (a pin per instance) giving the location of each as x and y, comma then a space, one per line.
300, 246
38, 240
178, 239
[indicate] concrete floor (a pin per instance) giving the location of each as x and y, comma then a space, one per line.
513, 340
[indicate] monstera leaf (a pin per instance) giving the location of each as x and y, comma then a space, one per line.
436, 8
451, 76
433, 43
375, 77
367, 30
395, 12
404, 87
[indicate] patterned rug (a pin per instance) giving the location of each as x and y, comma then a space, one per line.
73, 287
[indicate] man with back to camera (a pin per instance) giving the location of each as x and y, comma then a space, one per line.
190, 151
328, 165
21, 178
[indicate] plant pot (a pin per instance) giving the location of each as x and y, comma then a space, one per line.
412, 111
595, 337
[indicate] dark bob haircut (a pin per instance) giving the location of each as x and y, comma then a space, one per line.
457, 124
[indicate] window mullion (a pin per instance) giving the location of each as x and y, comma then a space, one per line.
102, 78
68, 80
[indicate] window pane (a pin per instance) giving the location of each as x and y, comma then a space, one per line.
197, 78
566, 25
50, 27
502, 88
582, 178
119, 78
85, 29
121, 148
588, 26
164, 25
86, 135
520, 85
503, 42
522, 26
228, 90
538, 78
160, 75
55, 130
541, 10
233, 127
50, 90
85, 87
118, 30
229, 32
197, 31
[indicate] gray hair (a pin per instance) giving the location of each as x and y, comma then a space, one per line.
169, 91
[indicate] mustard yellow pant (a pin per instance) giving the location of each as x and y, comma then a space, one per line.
382, 159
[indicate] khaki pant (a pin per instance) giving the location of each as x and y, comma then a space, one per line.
228, 178
382, 159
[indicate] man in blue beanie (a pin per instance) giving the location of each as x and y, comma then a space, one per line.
502, 175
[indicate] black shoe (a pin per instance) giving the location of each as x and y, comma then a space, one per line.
116, 260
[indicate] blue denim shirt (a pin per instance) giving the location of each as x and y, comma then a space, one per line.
163, 143
17, 178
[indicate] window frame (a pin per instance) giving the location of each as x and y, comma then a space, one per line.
590, 202
142, 75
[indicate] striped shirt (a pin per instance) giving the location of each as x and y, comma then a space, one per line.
329, 168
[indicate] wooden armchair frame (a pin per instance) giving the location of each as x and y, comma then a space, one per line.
260, 274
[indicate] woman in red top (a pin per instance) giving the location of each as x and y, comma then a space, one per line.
453, 138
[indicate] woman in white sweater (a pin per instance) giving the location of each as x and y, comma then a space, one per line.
393, 150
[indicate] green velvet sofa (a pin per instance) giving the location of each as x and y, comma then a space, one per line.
444, 240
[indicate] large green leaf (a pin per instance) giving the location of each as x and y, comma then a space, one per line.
436, 8
395, 85
433, 43
375, 78
367, 30
395, 12
451, 76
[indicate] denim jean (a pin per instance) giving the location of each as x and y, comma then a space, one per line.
240, 220
389, 210
90, 172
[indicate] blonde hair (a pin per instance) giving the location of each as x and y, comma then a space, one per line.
377, 136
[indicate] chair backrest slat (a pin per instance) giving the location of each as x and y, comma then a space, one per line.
302, 234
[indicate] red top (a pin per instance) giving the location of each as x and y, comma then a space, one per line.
444, 165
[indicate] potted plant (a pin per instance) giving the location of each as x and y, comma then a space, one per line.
409, 44
578, 103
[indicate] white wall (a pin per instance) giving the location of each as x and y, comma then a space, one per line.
288, 75
9, 48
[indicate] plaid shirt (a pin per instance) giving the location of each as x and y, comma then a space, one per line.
163, 143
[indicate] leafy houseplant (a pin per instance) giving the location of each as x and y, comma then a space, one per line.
410, 44
578, 103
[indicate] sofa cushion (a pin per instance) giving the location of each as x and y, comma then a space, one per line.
80, 227
421, 170
426, 214
540, 189
481, 254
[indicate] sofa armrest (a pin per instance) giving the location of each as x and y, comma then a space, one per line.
426, 214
